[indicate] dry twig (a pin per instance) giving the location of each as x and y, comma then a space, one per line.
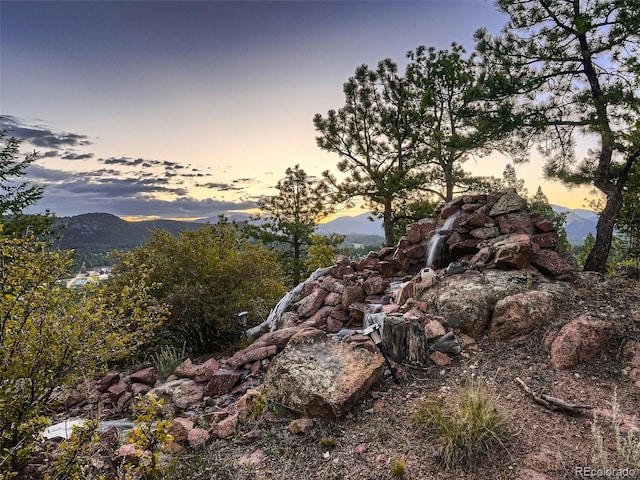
553, 403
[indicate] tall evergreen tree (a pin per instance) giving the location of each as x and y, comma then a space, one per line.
16, 194
565, 69
373, 137
289, 219
445, 88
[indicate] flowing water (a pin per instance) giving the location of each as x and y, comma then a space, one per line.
437, 239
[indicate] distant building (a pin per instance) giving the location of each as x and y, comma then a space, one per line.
80, 280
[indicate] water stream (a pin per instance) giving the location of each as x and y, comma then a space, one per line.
437, 239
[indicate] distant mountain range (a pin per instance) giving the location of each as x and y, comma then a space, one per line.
100, 233
579, 223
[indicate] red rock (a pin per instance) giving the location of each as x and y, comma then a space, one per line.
519, 314
140, 389
390, 308
280, 337
375, 284
333, 299
124, 401
414, 251
542, 224
249, 355
546, 240
515, 223
300, 425
367, 263
130, 453
352, 295
508, 202
471, 207
116, 390
319, 318
186, 369
244, 405
358, 310
386, 252
222, 382
483, 233
180, 428
104, 382
332, 285
483, 256
513, 252
148, 376
340, 314
440, 359
188, 395
343, 261
227, 428
341, 271
434, 329
464, 247
551, 263
311, 303
477, 219
386, 269
580, 340
451, 208
205, 370
361, 448
333, 325
309, 287
320, 376
198, 436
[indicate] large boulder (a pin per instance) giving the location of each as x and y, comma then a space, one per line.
467, 301
320, 376
580, 340
519, 314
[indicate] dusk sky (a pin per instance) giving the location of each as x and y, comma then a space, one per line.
192, 109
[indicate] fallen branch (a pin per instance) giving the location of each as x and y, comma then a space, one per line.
553, 403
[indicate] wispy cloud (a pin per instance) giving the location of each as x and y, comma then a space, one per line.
41, 136
123, 185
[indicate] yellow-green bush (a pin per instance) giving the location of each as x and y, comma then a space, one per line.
51, 336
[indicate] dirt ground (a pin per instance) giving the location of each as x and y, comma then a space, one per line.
538, 443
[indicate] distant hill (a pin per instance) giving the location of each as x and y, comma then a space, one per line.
579, 223
360, 224
106, 232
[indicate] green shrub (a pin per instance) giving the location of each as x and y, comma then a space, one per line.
206, 277
398, 468
465, 430
166, 360
627, 447
328, 443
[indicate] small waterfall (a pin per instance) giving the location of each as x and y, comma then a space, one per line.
437, 239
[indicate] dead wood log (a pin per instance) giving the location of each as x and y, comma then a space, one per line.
553, 403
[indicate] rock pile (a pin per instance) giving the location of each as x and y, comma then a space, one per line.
110, 394
479, 231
